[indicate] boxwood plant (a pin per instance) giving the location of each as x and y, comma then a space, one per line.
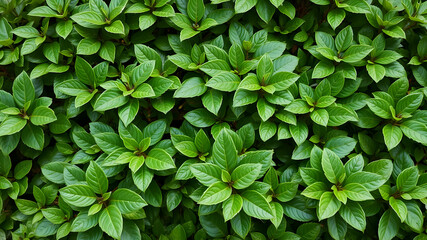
220, 119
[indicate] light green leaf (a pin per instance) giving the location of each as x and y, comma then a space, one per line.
332, 167
127, 201
42, 115
96, 178
109, 99
12, 125
354, 215
328, 205
216, 193
111, 221
376, 71
232, 206
78, 195
407, 179
88, 46
357, 192
159, 159
255, 205
196, 10
244, 175
392, 136
389, 225
23, 89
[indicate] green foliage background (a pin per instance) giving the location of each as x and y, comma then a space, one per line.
221, 119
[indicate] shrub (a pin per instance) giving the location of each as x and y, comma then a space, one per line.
192, 119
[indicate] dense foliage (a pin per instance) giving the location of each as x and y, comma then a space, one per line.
221, 119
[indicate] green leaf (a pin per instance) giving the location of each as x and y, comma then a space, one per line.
216, 193
64, 28
299, 132
267, 130
27, 207
85, 72
143, 177
12, 125
244, 175
336, 227
187, 148
143, 91
389, 225
200, 118
146, 21
371, 181
354, 215
51, 51
224, 81
23, 89
22, 169
265, 10
415, 130
344, 39
173, 199
332, 167
265, 109
88, 46
357, 192
241, 224
206, 173
232, 206
407, 179
224, 153
328, 205
415, 217
26, 32
127, 201
286, 191
380, 107
196, 10
109, 99
96, 178
108, 51
191, 87
356, 53
315, 190
255, 205
243, 97
111, 221
42, 115
335, 17
282, 80
395, 32
216, 66
78, 195
341, 145
54, 215
116, 27
323, 69
159, 159
33, 136
408, 104
202, 141
243, 6
265, 69
376, 71
43, 11
399, 207
83, 222
320, 116
128, 112
392, 136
